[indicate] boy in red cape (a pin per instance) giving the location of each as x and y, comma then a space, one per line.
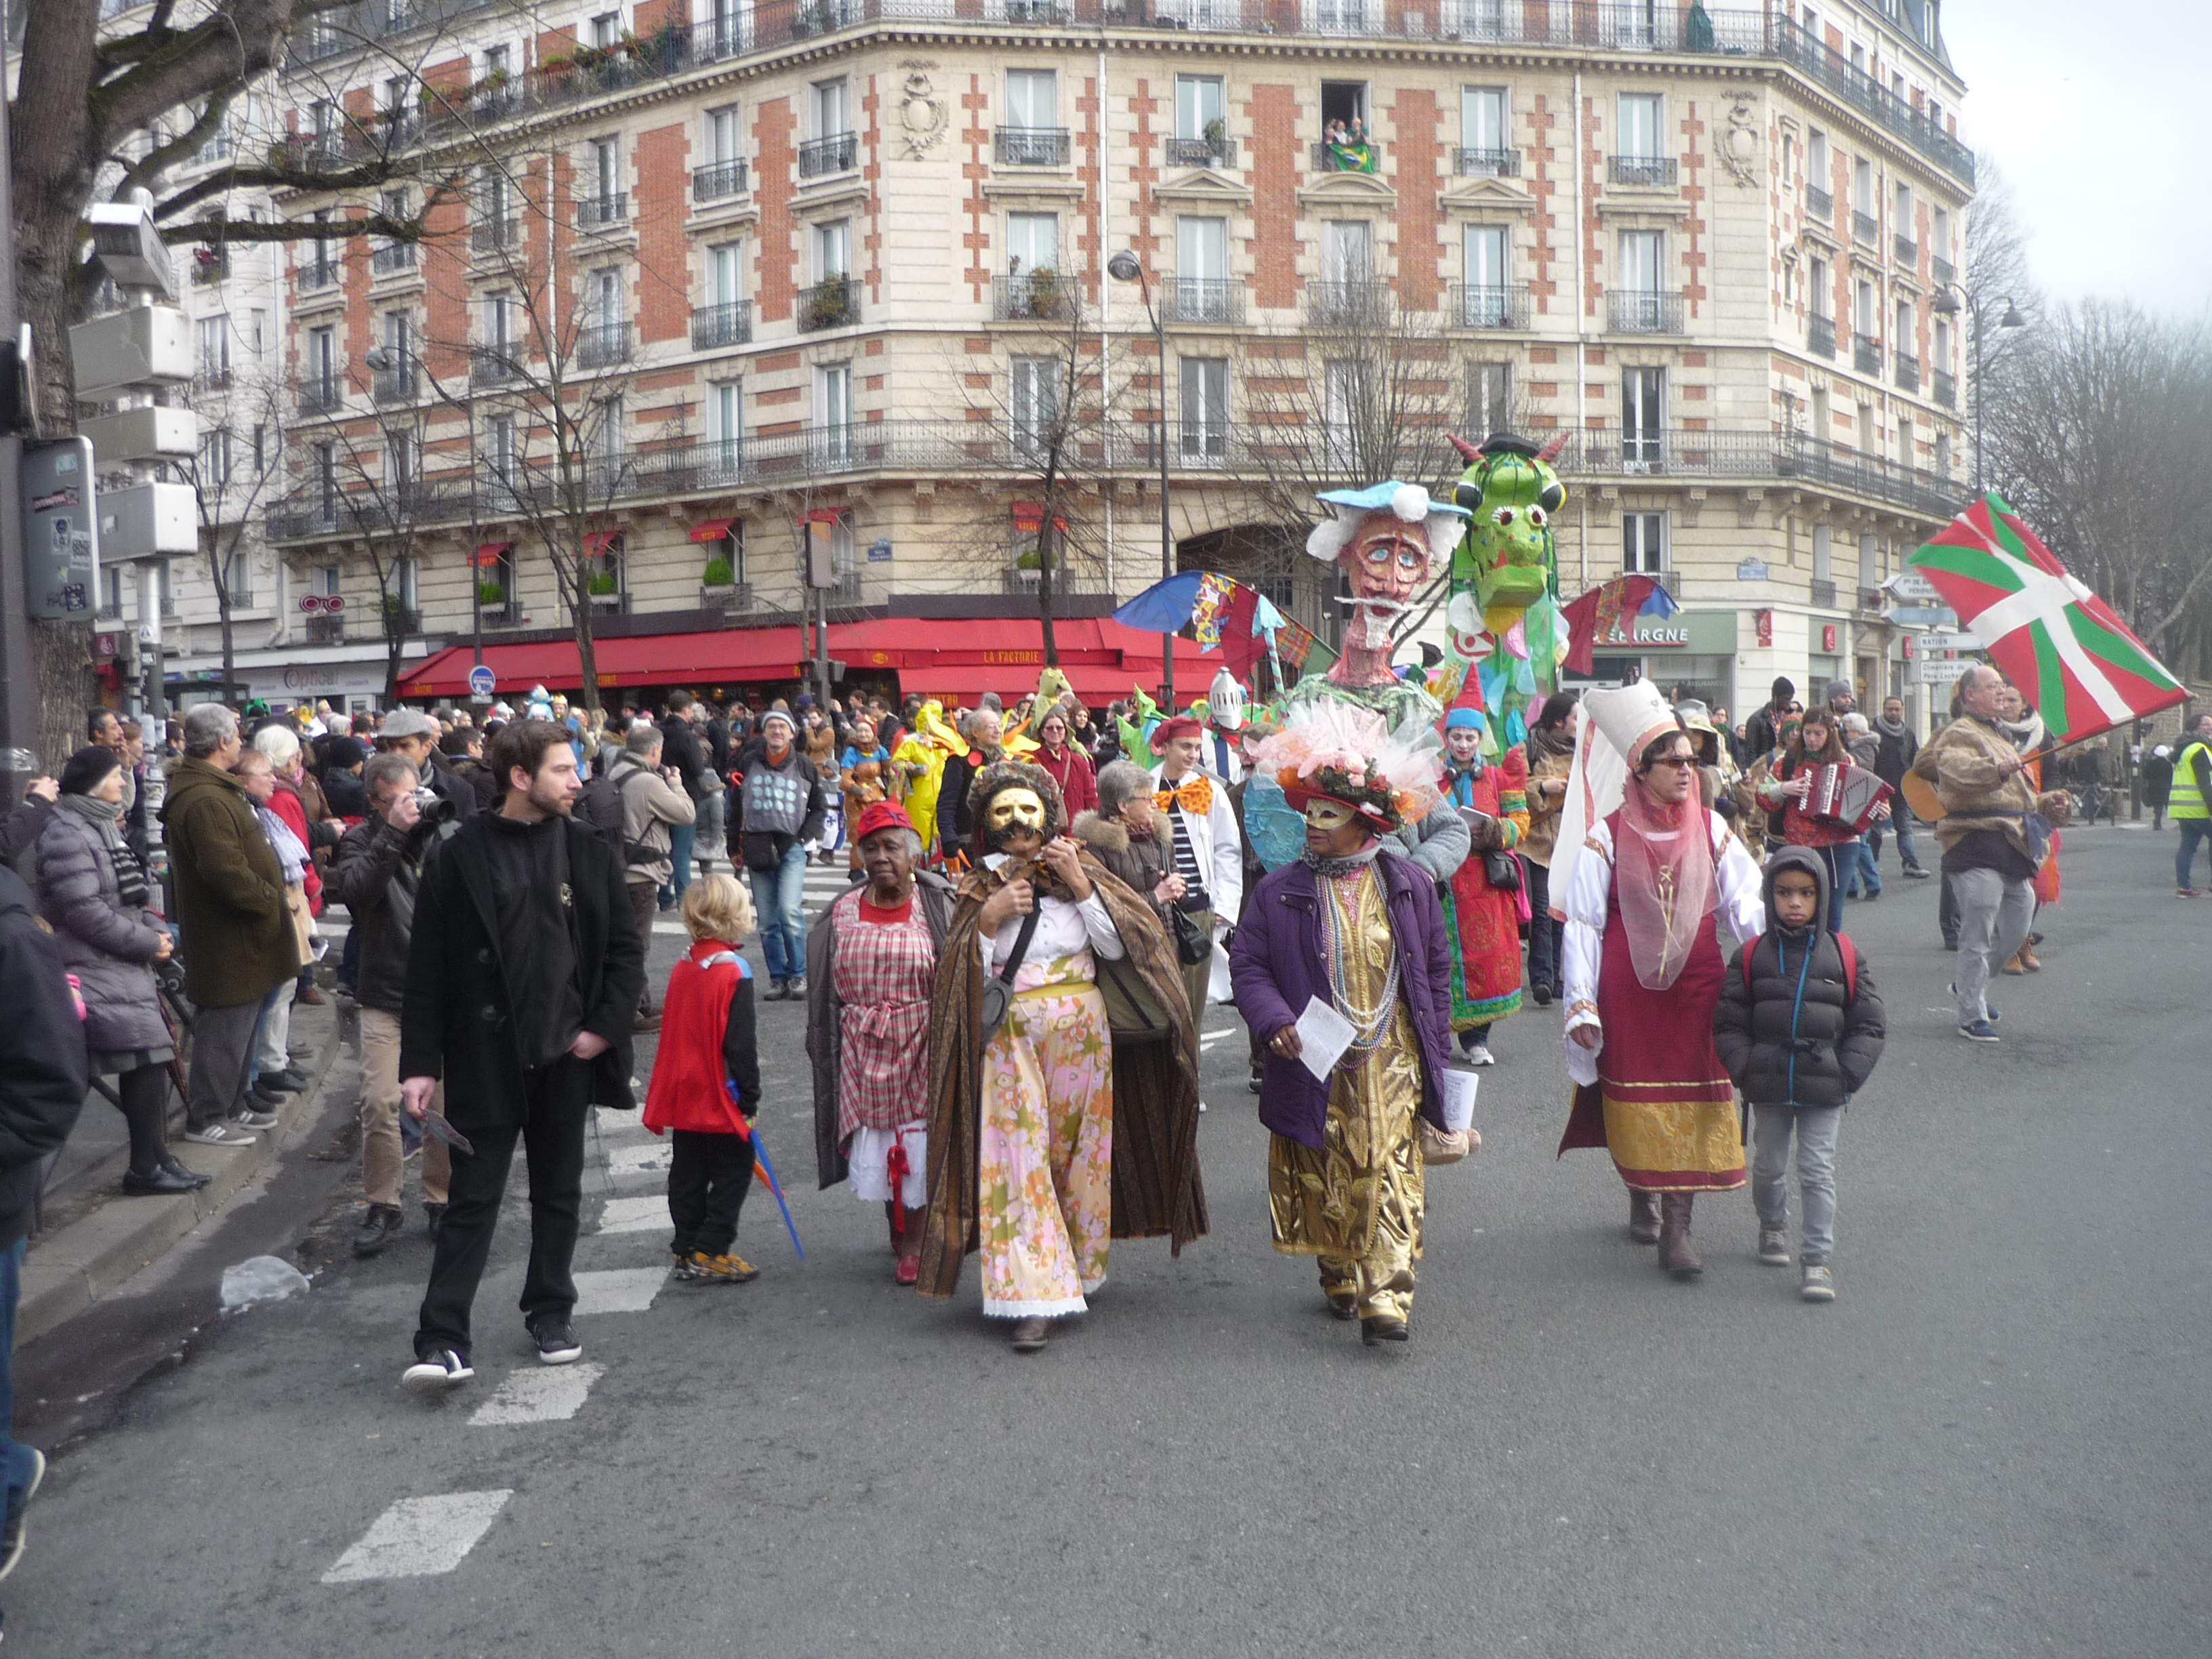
706, 1084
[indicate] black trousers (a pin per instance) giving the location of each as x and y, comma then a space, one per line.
1545, 965
144, 1094
709, 1176
555, 1103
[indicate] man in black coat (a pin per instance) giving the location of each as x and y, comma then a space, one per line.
42, 1087
679, 744
1762, 730
523, 973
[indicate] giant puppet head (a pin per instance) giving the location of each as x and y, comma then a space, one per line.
1387, 539
1511, 491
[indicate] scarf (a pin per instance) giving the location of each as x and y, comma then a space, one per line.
1343, 867
1890, 729
106, 817
1664, 865
290, 855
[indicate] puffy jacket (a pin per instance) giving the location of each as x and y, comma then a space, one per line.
42, 1058
109, 949
1796, 1034
376, 876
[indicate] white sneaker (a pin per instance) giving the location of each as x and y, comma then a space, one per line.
1480, 1055
441, 1370
220, 1134
1816, 1284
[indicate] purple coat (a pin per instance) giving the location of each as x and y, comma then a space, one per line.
1276, 965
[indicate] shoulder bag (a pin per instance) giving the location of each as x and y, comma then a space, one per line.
999, 989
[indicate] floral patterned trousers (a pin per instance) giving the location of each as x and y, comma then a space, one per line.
1045, 1152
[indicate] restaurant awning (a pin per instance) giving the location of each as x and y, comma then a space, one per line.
490, 553
596, 543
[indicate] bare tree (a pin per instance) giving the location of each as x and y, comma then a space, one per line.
235, 473
1997, 280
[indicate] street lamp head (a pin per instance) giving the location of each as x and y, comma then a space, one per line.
1123, 267
2012, 318
1947, 304
377, 358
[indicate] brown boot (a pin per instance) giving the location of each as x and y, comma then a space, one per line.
1029, 1335
1675, 1255
2029, 960
2013, 966
1644, 1217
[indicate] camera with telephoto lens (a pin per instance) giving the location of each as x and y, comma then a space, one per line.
431, 806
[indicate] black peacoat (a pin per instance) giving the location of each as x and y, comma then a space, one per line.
457, 1022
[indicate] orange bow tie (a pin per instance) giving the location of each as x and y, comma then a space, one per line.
1195, 796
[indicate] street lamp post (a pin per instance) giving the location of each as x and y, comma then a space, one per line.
377, 360
1954, 299
1124, 267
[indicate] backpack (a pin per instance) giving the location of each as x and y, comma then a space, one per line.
1845, 949
601, 805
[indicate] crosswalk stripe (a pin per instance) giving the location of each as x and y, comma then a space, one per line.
618, 1290
419, 1537
548, 1394
638, 1160
648, 1214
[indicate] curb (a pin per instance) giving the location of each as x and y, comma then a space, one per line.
70, 1270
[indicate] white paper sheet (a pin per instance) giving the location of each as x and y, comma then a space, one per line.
1323, 1036
1459, 1098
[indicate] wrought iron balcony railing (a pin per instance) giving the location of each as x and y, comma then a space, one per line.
494, 365
603, 212
1202, 152
394, 386
1866, 230
490, 235
1628, 311
835, 303
391, 259
1945, 388
315, 279
1819, 205
1907, 369
1822, 592
322, 397
1478, 305
1201, 300
718, 181
602, 345
819, 157
1352, 301
1030, 296
715, 327
1866, 354
1939, 270
1906, 249
1030, 147
1641, 169
1488, 163
1820, 335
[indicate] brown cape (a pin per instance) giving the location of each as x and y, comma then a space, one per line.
1156, 1189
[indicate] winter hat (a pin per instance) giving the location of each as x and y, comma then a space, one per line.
88, 769
789, 725
881, 815
1836, 689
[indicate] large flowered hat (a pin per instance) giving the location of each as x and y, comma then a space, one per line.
1336, 751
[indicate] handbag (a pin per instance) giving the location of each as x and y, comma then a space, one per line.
1193, 943
1130, 1008
999, 989
1502, 871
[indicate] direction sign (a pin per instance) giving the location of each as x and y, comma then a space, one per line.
1937, 671
1913, 588
481, 682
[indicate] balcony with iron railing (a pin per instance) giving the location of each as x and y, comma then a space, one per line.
1865, 229
1945, 388
1202, 152
322, 396
1487, 163
729, 324
835, 303
1907, 368
1478, 305
1064, 580
1819, 205
1822, 593
1201, 300
820, 157
494, 365
1348, 301
1866, 354
718, 181
1907, 250
1030, 147
391, 259
209, 265
1641, 170
1630, 310
1030, 296
1324, 157
1821, 336
398, 385
316, 277
1752, 456
491, 235
1939, 271
606, 211
326, 630
602, 345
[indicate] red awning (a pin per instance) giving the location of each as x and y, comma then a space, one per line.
712, 530
488, 553
702, 659
1028, 518
596, 543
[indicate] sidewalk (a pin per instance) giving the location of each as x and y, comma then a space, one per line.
91, 1239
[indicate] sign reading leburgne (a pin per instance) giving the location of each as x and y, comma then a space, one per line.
2071, 657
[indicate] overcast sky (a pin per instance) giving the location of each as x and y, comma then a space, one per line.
2097, 113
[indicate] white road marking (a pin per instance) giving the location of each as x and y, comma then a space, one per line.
548, 1393
1207, 1039
619, 1289
638, 1160
418, 1537
648, 1214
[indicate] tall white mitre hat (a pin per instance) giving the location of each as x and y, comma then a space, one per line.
1630, 717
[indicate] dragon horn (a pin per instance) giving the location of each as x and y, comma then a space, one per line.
1550, 451
1467, 451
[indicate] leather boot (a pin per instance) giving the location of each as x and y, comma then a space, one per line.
1644, 1217
1675, 1255
2013, 966
2029, 960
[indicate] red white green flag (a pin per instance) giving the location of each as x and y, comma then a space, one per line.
2070, 654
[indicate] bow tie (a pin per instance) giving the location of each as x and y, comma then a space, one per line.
1194, 796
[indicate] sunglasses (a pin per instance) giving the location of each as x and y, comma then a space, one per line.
1675, 760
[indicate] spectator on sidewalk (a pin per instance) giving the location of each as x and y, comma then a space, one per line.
779, 808
2189, 802
984, 730
1895, 750
20, 829
377, 874
342, 777
42, 1087
463, 748
92, 893
270, 1074
413, 736
523, 974
654, 808
1762, 732
234, 931
299, 801
680, 749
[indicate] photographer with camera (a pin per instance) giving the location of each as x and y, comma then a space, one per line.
413, 736
377, 874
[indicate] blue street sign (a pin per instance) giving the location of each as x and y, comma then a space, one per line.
480, 681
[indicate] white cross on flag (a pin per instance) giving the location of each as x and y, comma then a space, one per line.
2076, 661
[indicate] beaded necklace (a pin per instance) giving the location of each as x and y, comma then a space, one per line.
1369, 1020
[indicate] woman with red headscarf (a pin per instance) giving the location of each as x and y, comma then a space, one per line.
1643, 969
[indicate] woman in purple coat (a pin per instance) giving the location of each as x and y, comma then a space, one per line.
1360, 928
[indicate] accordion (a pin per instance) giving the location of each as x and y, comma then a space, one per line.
1845, 794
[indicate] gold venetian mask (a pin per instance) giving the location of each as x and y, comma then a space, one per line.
1325, 814
1016, 809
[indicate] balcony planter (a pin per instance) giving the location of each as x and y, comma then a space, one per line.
1044, 292
826, 305
600, 586
489, 594
718, 573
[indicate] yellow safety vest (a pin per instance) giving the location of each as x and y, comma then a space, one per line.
2186, 800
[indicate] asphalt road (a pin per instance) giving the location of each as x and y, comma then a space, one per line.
1994, 1443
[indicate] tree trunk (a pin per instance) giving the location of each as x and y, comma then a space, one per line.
587, 658
1048, 551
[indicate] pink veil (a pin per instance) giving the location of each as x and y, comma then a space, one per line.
1664, 866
